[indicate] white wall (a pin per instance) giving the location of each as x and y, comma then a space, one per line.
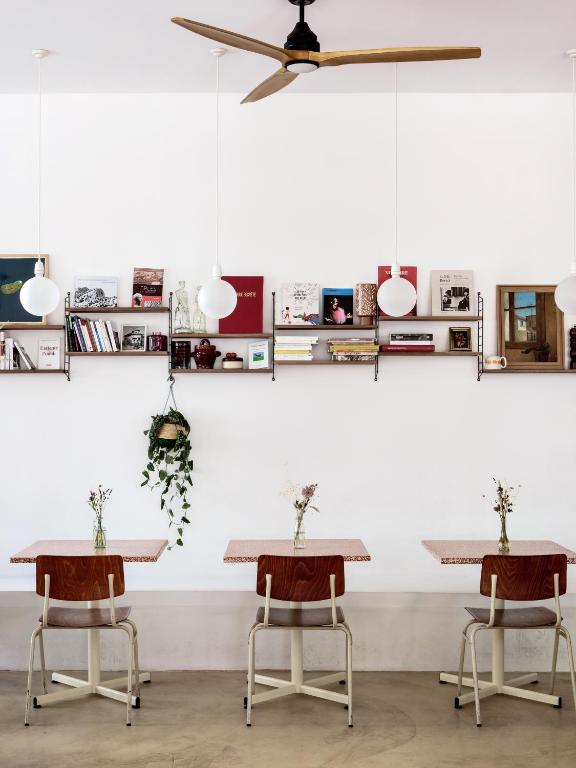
484, 184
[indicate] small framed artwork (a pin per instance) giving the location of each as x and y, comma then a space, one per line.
133, 338
15, 270
48, 354
95, 292
258, 356
460, 339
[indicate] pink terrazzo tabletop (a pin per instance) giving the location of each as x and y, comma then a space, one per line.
248, 550
471, 551
131, 550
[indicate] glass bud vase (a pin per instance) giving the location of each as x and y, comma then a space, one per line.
503, 542
99, 536
299, 536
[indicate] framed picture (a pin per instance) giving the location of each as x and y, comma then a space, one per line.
258, 356
15, 270
460, 339
133, 338
452, 292
95, 292
337, 306
530, 327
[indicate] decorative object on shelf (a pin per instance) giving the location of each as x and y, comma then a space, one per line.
170, 465
452, 292
258, 355
299, 304
133, 338
573, 347
157, 342
301, 53
396, 296
503, 505
565, 293
232, 362
39, 296
49, 354
97, 500
181, 354
530, 327
407, 273
198, 317
247, 316
217, 298
147, 287
182, 309
338, 306
301, 503
460, 339
366, 305
495, 362
16, 270
95, 292
205, 354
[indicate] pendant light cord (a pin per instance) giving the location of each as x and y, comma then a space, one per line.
395, 141
574, 156
39, 155
217, 159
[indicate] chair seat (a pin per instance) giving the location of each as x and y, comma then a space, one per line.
516, 618
300, 617
79, 618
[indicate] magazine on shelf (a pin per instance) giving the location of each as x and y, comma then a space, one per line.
49, 354
452, 292
338, 306
147, 287
299, 304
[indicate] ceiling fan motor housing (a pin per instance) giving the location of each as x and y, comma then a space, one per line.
302, 39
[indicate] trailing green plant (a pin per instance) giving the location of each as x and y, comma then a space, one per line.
169, 467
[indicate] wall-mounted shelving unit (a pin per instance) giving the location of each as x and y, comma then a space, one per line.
38, 328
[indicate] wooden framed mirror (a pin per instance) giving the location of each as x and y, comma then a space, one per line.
530, 327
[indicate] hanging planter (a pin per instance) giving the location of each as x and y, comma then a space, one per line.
169, 466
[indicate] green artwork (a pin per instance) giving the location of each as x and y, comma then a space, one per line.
15, 270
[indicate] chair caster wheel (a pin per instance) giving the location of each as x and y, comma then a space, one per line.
350, 725
443, 682
36, 705
128, 725
137, 705
341, 682
248, 725
27, 724
457, 704
55, 682
345, 706
478, 725
559, 705
245, 702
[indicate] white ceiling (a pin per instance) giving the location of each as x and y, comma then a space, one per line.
131, 45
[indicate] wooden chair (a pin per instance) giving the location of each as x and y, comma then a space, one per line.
98, 577
520, 578
297, 580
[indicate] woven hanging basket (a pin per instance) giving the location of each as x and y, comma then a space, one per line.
168, 434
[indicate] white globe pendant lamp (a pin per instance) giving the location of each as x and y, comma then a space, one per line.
217, 298
565, 294
396, 296
39, 296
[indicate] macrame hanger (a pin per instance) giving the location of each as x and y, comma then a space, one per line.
171, 396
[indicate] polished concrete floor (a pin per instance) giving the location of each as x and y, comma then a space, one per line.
196, 720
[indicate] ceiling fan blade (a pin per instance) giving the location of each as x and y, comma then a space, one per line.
381, 55
280, 79
233, 39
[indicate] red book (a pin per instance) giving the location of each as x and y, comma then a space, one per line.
247, 317
408, 273
407, 348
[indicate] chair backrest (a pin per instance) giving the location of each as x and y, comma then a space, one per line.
79, 578
523, 577
300, 579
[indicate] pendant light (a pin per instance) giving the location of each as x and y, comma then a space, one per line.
39, 295
217, 298
396, 296
565, 294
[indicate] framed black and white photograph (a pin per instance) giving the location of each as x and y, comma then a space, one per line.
133, 338
452, 292
460, 339
95, 292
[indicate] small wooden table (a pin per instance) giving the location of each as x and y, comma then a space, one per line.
131, 551
248, 551
471, 552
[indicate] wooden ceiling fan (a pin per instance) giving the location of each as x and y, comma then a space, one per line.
301, 53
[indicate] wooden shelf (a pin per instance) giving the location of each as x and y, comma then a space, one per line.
430, 319
21, 327
306, 327
429, 354
221, 370
517, 370
116, 310
324, 362
177, 336
117, 354
34, 370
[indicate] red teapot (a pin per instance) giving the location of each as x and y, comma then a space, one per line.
205, 354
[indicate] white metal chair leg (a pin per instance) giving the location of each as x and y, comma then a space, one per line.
130, 674
30, 671
42, 660
136, 662
568, 639
461, 663
475, 675
251, 665
349, 673
554, 660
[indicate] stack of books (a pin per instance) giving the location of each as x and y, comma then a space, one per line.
409, 342
295, 348
347, 350
13, 356
91, 335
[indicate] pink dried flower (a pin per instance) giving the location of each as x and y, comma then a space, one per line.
309, 490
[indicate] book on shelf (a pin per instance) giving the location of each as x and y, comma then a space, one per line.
391, 348
408, 273
338, 306
247, 315
352, 349
147, 287
299, 304
48, 354
452, 292
25, 361
411, 338
86, 335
